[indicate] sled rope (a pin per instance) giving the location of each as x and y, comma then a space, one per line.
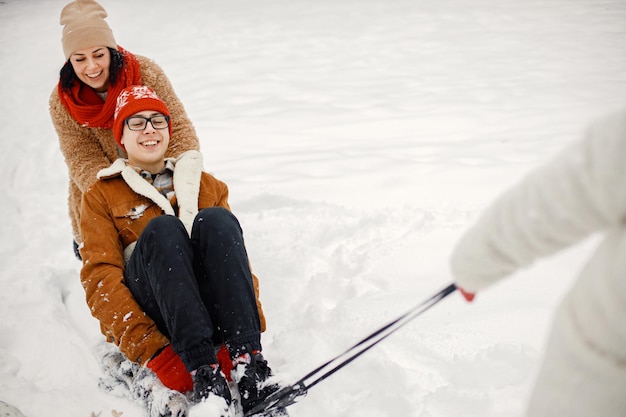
287, 395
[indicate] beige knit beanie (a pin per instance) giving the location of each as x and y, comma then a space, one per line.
84, 26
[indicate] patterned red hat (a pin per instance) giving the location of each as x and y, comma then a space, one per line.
135, 99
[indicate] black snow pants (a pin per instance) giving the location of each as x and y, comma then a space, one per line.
198, 290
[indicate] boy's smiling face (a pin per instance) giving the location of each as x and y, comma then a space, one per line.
146, 147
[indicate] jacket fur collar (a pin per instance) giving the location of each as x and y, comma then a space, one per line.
187, 174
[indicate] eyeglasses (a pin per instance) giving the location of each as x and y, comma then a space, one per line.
140, 122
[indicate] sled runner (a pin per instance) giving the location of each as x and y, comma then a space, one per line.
7, 410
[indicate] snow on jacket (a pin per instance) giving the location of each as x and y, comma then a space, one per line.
115, 210
88, 150
581, 192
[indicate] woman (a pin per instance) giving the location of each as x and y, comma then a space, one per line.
82, 105
165, 269
580, 193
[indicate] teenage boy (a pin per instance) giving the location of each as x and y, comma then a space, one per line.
165, 268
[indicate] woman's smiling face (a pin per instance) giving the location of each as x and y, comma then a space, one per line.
91, 66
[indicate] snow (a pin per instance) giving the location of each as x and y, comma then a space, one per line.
358, 139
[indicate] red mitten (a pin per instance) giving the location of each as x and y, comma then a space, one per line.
223, 358
469, 296
171, 370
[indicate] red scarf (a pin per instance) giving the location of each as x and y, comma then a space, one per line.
87, 107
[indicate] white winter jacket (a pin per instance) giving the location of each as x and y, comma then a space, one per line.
580, 192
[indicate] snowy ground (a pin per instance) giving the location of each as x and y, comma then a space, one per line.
358, 138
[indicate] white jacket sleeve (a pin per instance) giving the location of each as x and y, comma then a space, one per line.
581, 191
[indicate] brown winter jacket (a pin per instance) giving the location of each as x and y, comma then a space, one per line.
88, 150
115, 210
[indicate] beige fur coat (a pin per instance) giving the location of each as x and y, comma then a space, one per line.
88, 150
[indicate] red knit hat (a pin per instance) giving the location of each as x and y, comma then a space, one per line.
135, 99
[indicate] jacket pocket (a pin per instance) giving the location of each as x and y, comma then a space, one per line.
131, 217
